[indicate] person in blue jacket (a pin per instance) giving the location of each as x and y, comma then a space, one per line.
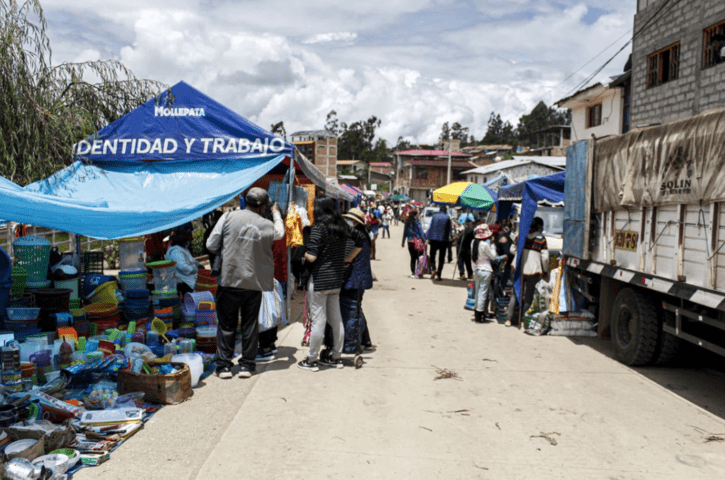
413, 230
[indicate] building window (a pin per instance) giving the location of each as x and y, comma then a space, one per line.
421, 173
594, 116
663, 66
712, 45
627, 102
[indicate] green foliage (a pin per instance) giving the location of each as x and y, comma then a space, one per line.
541, 117
357, 141
197, 243
111, 254
45, 109
278, 129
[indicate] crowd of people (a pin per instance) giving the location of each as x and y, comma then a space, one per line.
332, 263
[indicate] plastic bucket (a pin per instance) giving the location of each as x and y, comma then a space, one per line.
164, 275
191, 300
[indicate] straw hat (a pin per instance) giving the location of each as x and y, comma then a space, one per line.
355, 214
482, 232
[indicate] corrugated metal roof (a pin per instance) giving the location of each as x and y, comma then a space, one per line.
553, 162
431, 153
441, 163
381, 164
314, 133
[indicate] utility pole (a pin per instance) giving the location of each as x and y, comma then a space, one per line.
449, 162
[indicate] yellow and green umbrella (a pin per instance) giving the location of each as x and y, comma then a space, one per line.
466, 194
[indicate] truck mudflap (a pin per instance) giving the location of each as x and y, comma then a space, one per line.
701, 296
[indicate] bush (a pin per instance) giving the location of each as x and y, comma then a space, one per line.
197, 244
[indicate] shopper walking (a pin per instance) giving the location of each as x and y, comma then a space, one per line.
326, 252
535, 266
412, 231
244, 240
483, 254
464, 250
439, 234
387, 217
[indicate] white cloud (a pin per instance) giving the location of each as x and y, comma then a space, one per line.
412, 63
346, 37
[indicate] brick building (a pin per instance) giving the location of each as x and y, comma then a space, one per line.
320, 147
677, 69
419, 171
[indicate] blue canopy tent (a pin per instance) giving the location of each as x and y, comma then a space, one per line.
529, 193
165, 163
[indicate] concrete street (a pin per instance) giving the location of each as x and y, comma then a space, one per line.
521, 407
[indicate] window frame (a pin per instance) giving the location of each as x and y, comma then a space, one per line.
708, 51
597, 109
656, 68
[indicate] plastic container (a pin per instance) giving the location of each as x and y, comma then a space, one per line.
106, 293
22, 313
208, 332
164, 275
132, 279
33, 254
131, 253
18, 278
195, 363
69, 283
101, 309
192, 299
104, 323
52, 299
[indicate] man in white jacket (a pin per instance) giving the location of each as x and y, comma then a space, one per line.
535, 265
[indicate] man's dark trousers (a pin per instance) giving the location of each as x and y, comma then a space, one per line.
439, 247
229, 303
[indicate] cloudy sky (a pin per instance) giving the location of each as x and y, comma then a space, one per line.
412, 63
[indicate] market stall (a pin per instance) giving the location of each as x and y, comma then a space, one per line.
78, 355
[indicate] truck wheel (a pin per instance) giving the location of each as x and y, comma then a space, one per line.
669, 346
635, 329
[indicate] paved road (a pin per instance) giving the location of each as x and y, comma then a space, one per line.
393, 419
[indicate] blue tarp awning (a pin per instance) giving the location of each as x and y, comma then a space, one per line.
163, 164
549, 188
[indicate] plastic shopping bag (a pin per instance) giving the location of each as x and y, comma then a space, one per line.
423, 265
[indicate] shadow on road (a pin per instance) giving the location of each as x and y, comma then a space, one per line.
698, 376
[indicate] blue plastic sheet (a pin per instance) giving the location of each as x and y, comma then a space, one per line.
200, 155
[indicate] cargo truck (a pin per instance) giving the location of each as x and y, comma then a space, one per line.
644, 236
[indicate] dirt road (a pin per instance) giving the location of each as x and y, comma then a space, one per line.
520, 407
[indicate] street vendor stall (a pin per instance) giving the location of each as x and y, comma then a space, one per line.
122, 345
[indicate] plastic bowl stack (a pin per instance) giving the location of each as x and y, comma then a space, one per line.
103, 315
132, 279
22, 321
137, 304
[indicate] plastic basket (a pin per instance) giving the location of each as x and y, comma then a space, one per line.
192, 299
22, 313
105, 293
52, 299
19, 276
33, 254
203, 287
101, 309
91, 262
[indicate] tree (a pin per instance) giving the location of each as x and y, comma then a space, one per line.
45, 109
402, 145
445, 133
494, 132
541, 117
357, 140
459, 132
331, 124
279, 130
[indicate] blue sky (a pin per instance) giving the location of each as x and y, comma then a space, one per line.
412, 63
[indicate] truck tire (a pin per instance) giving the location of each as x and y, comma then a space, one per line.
635, 328
669, 345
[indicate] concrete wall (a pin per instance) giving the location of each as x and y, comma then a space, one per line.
696, 90
611, 101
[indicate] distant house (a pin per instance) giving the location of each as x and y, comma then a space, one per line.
551, 141
420, 171
597, 110
486, 154
515, 171
320, 147
350, 165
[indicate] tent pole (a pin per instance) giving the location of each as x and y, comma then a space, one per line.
289, 250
